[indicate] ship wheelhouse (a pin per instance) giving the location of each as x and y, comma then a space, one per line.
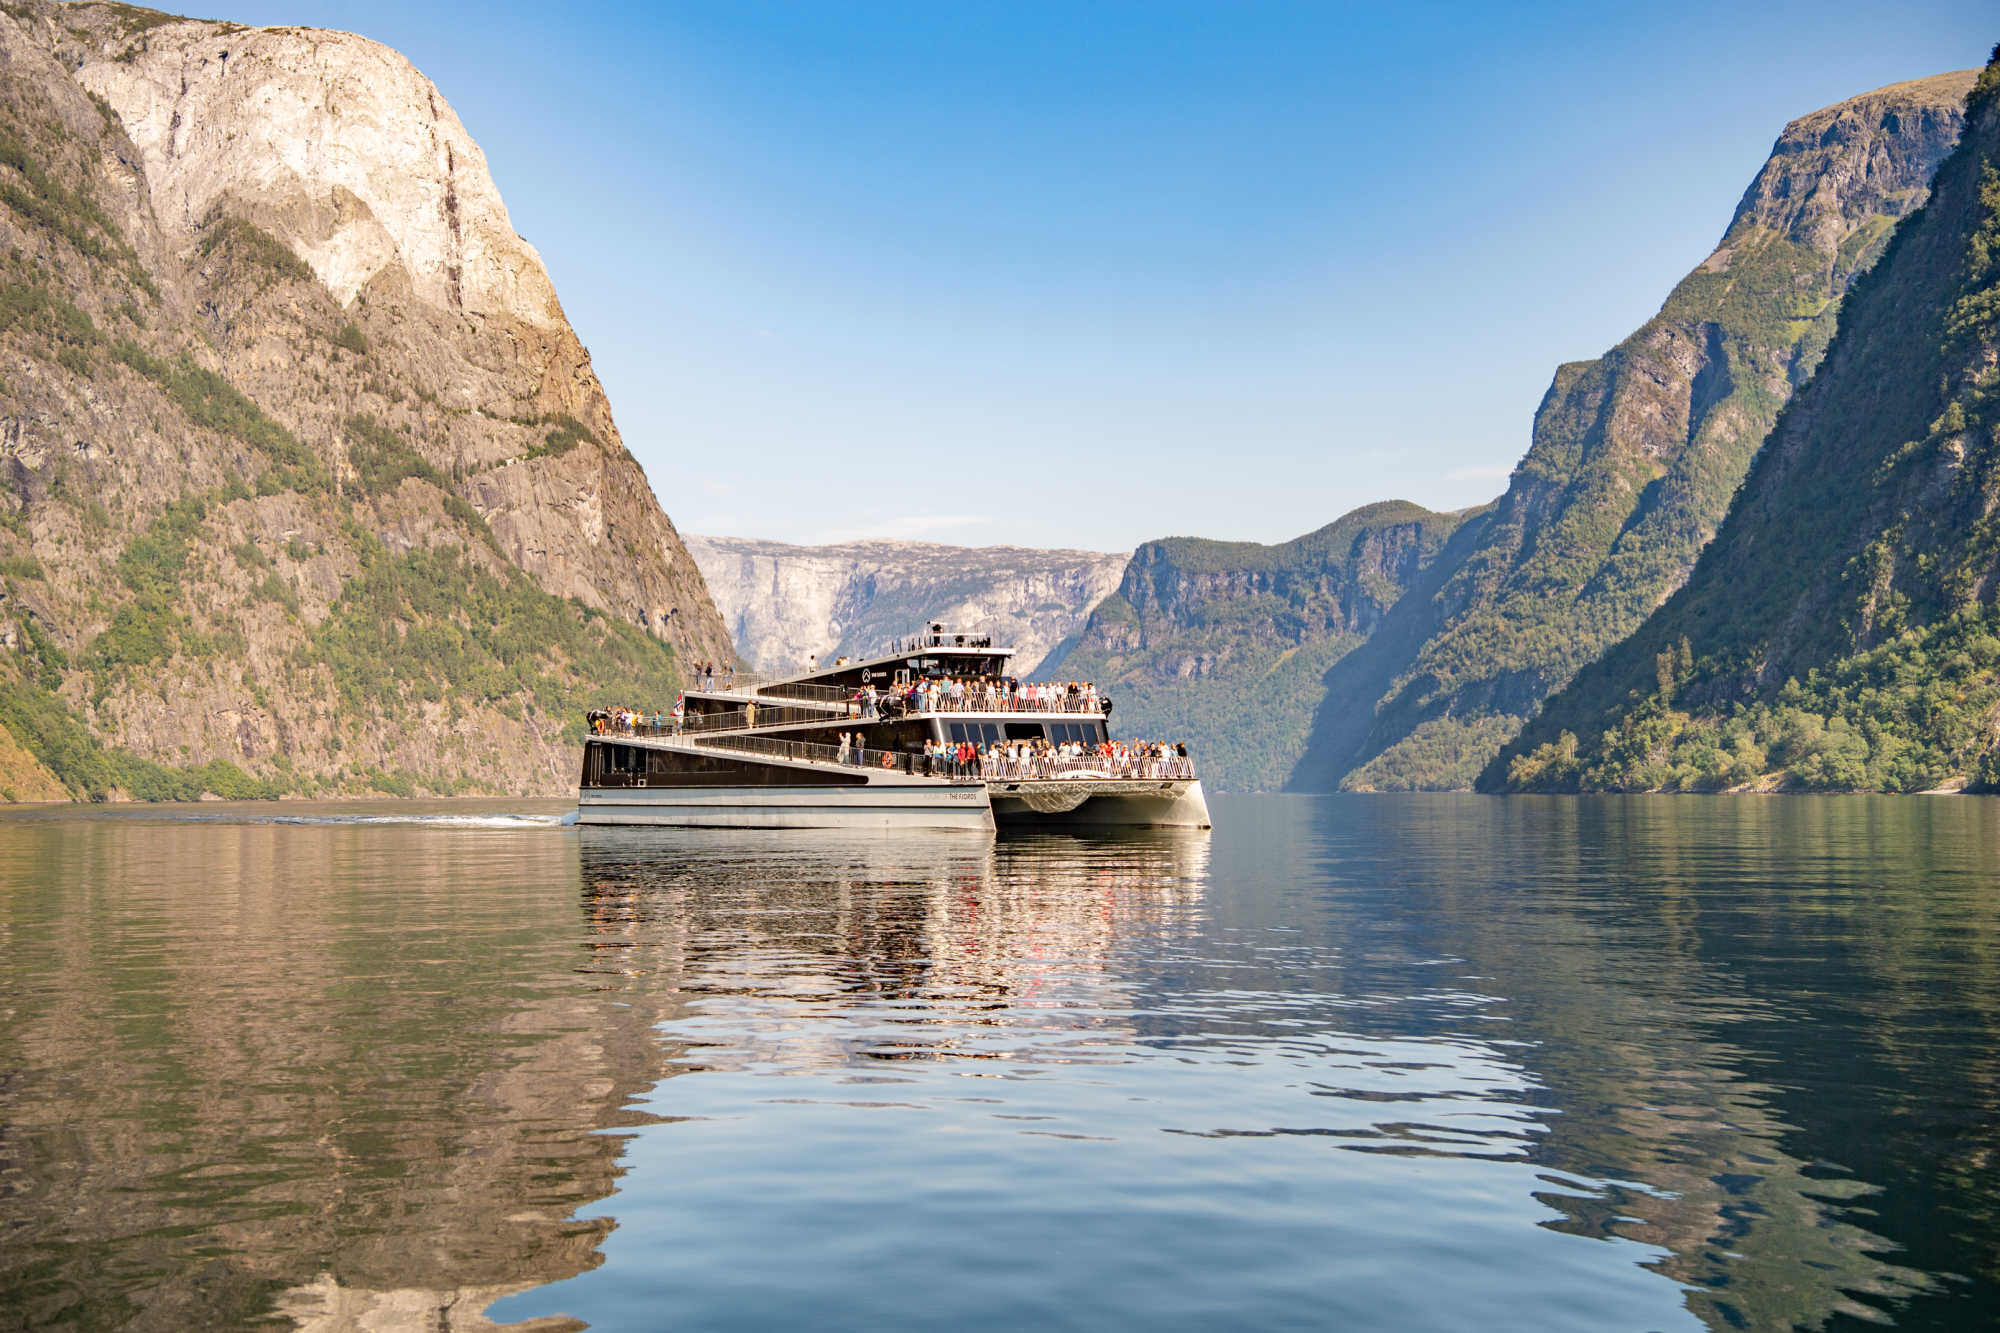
999, 728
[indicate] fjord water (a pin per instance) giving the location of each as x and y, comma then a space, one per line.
1357, 1062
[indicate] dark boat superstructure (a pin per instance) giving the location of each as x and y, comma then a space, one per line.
754, 752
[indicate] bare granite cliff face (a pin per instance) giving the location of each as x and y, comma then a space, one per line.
311, 486
341, 150
786, 603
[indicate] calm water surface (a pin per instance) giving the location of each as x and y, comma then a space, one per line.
1425, 1063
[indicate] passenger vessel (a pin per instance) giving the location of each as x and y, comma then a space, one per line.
883, 742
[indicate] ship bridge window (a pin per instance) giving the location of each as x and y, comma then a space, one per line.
1024, 731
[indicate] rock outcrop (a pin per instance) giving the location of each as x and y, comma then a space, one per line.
308, 475
786, 603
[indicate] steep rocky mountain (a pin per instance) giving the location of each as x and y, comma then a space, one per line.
785, 603
1841, 630
1226, 644
310, 485
1635, 455
1633, 459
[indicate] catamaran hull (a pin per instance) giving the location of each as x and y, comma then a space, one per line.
875, 806
971, 808
1177, 803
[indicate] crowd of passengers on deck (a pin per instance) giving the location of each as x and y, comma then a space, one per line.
627, 722
984, 694
1037, 759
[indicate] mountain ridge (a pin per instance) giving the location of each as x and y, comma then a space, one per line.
1839, 633
1633, 459
1222, 643
1635, 455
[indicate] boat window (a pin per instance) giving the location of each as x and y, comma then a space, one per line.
957, 732
1024, 731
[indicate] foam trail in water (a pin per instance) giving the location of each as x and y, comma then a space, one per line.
494, 821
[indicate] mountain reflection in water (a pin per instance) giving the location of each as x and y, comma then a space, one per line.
1369, 1062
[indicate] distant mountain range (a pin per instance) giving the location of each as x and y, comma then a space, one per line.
786, 603
1227, 644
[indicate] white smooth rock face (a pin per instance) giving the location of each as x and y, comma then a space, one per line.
785, 604
335, 144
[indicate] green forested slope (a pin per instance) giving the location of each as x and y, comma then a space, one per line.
1226, 644
1635, 456
1840, 631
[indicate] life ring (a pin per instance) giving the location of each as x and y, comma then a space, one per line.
888, 761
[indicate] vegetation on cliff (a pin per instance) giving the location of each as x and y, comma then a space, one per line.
258, 539
1841, 631
1633, 462
1226, 644
1636, 455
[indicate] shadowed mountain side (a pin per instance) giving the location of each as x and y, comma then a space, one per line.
1841, 631
1338, 736
1226, 644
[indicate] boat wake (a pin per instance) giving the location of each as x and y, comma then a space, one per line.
488, 821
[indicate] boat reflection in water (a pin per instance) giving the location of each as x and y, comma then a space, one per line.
954, 929
671, 923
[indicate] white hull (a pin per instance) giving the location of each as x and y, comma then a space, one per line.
879, 805
1131, 802
901, 805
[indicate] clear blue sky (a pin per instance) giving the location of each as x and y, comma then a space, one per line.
1084, 274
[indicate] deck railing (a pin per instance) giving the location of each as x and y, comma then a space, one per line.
1037, 768
802, 689
878, 760
1032, 768
976, 701
735, 719
1000, 702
